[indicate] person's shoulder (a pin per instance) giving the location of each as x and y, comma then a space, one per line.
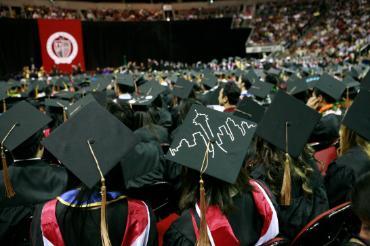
181, 231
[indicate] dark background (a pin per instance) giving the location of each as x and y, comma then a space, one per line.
106, 43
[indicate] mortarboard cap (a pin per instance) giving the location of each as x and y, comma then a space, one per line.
227, 136
296, 86
357, 117
311, 80
3, 92
365, 82
77, 106
110, 141
288, 117
209, 79
152, 87
56, 103
250, 110
26, 119
125, 79
330, 86
261, 89
182, 88
66, 95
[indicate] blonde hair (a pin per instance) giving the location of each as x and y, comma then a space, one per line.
350, 139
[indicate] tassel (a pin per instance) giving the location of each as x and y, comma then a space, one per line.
103, 218
286, 188
8, 184
64, 115
4, 106
203, 239
36, 92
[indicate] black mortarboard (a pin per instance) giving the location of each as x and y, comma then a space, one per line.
227, 136
261, 89
3, 93
26, 119
365, 82
209, 79
142, 102
287, 117
99, 85
110, 140
250, 110
152, 87
66, 95
357, 117
296, 86
273, 71
56, 103
125, 79
77, 106
311, 80
182, 88
330, 86
251, 76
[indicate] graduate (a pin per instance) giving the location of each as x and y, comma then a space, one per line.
229, 96
354, 151
284, 163
26, 179
95, 212
220, 204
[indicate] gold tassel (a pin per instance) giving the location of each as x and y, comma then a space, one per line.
8, 184
103, 217
104, 234
4, 106
203, 239
286, 188
36, 92
64, 115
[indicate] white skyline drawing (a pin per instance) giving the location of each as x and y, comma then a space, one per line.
206, 134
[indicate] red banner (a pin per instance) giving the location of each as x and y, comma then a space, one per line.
61, 44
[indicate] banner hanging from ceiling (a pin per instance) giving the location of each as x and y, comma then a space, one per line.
61, 44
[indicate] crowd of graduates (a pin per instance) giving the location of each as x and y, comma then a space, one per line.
226, 151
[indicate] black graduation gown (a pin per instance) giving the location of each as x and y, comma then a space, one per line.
303, 208
244, 221
343, 173
34, 181
85, 229
153, 133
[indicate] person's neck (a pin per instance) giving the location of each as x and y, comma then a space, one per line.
228, 106
364, 234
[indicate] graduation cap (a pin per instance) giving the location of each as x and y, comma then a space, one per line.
357, 117
90, 145
330, 86
66, 95
273, 71
152, 87
84, 101
365, 83
209, 79
288, 114
58, 104
220, 138
287, 124
99, 85
182, 88
142, 102
16, 126
296, 86
125, 79
311, 80
250, 110
261, 89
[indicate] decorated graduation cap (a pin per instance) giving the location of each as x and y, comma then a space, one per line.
287, 124
311, 80
296, 86
250, 110
330, 86
16, 126
142, 102
357, 117
90, 145
182, 88
261, 89
220, 138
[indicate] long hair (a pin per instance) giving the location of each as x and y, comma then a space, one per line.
350, 139
273, 161
217, 192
